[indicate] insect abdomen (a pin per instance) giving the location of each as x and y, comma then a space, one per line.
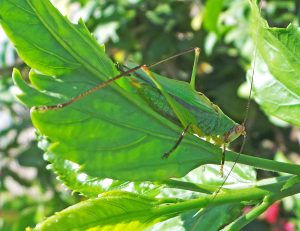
157, 101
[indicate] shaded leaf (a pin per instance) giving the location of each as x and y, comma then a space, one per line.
211, 219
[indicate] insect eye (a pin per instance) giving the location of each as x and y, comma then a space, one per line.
240, 129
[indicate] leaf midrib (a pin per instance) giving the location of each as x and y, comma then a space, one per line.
128, 215
187, 140
90, 68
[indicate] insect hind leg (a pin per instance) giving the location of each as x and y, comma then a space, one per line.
183, 133
106, 83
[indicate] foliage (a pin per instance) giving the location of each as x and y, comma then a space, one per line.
67, 60
278, 48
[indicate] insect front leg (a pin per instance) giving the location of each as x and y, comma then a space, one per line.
194, 72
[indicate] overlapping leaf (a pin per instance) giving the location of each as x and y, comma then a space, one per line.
276, 79
111, 211
117, 210
275, 98
111, 133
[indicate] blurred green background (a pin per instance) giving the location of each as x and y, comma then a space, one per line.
146, 32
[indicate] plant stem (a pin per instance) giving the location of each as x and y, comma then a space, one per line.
265, 164
222, 198
273, 192
258, 210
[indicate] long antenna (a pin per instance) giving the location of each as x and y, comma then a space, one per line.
106, 83
174, 56
245, 117
88, 92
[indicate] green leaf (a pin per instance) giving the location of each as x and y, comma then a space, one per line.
111, 133
280, 49
111, 211
211, 15
291, 182
274, 98
277, 85
210, 175
35, 28
70, 174
212, 219
27, 217
117, 210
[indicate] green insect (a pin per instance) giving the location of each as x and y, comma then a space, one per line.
178, 101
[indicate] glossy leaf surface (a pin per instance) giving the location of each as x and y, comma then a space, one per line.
111, 133
276, 80
111, 211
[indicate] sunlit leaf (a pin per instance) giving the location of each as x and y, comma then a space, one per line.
211, 15
274, 97
277, 81
111, 211
112, 133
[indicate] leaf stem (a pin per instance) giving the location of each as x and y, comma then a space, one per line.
259, 209
265, 164
271, 191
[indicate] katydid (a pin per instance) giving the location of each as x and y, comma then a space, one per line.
178, 101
